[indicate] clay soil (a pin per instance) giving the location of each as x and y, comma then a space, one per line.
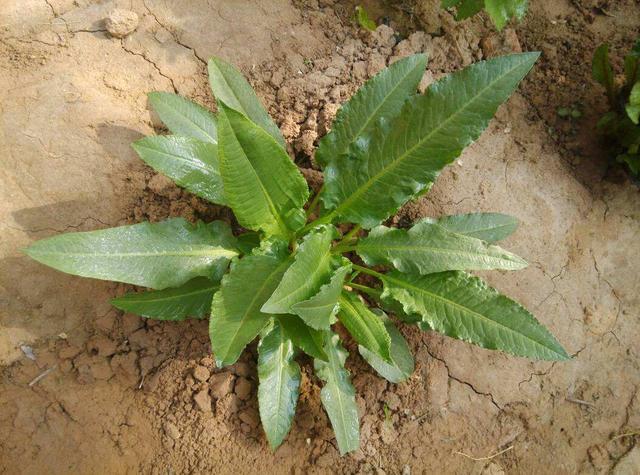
87, 389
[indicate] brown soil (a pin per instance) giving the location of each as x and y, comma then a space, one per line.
117, 394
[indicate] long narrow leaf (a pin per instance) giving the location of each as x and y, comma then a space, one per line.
427, 248
236, 318
156, 255
403, 159
261, 184
279, 377
192, 299
338, 396
489, 227
183, 117
464, 307
191, 163
230, 87
303, 336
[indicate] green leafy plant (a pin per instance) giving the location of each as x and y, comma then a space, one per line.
363, 19
500, 11
621, 124
291, 276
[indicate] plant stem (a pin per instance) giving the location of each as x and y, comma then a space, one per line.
366, 270
341, 246
367, 290
321, 220
314, 202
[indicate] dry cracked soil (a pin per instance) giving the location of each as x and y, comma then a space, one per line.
87, 389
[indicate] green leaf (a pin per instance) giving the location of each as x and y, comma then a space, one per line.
191, 163
319, 311
261, 184
428, 247
632, 64
403, 159
248, 241
464, 307
310, 270
489, 227
158, 255
364, 326
468, 8
338, 396
633, 107
501, 11
304, 337
363, 19
192, 299
601, 69
236, 318
183, 117
230, 87
380, 98
279, 377
402, 365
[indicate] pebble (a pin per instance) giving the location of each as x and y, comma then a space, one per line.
221, 384
201, 373
171, 430
203, 400
243, 389
121, 23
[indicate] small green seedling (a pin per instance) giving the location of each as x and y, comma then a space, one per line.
621, 124
500, 11
364, 20
290, 276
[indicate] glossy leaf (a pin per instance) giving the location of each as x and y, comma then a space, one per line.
319, 311
191, 163
279, 384
192, 299
261, 184
401, 365
338, 396
380, 98
183, 117
236, 318
230, 87
501, 11
464, 307
428, 247
156, 255
303, 336
364, 326
403, 159
633, 106
489, 227
310, 270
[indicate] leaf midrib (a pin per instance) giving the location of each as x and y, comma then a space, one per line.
338, 391
129, 300
435, 250
198, 165
392, 165
370, 336
464, 309
213, 252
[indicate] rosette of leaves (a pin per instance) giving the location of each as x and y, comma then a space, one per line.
291, 276
500, 11
621, 125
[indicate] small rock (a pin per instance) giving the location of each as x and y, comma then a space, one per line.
221, 384
497, 45
171, 430
243, 388
227, 406
28, 352
201, 373
406, 470
250, 417
121, 23
241, 369
203, 400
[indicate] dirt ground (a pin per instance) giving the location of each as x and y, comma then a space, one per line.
86, 389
